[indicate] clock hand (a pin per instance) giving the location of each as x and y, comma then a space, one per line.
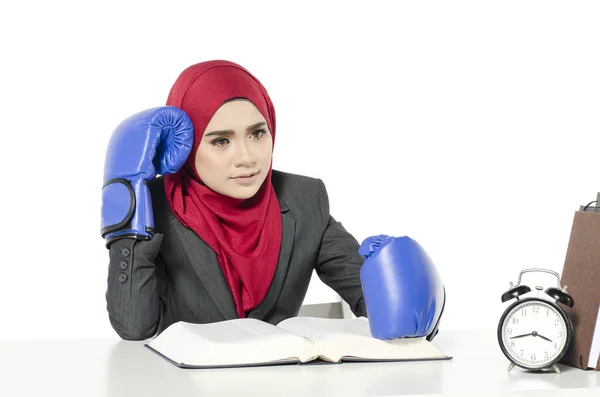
543, 337
535, 333
520, 336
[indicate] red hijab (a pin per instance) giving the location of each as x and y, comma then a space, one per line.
245, 234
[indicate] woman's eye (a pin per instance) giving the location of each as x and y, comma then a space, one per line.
220, 142
257, 134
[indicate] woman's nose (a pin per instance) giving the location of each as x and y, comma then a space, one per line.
244, 156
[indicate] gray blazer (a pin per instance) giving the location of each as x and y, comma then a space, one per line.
175, 276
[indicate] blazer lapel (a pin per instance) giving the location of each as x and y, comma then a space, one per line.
206, 265
288, 229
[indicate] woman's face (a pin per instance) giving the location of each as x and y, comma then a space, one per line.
234, 155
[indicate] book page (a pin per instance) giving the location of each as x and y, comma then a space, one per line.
233, 342
595, 348
325, 330
351, 338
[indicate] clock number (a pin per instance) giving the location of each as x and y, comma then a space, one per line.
556, 321
523, 312
556, 345
508, 331
536, 309
515, 320
512, 343
561, 334
522, 351
545, 355
533, 357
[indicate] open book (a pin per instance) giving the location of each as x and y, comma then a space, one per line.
251, 342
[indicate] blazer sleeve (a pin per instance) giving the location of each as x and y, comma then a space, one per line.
132, 298
338, 262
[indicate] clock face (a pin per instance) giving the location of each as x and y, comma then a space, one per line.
533, 333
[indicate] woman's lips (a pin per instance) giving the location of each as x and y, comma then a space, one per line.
246, 180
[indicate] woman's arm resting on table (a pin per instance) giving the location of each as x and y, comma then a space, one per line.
338, 262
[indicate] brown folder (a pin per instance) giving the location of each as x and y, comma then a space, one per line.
581, 275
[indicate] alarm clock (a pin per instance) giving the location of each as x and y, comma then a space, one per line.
535, 333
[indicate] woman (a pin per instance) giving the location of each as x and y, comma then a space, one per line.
232, 237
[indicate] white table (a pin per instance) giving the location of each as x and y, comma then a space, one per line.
112, 367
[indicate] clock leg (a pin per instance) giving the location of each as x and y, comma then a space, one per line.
511, 366
556, 369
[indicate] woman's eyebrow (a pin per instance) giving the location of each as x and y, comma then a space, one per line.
255, 126
231, 132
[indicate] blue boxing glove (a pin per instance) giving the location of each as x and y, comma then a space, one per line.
403, 292
154, 140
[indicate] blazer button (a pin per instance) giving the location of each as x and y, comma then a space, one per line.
125, 252
123, 265
122, 277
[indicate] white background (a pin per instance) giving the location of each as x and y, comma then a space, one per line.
472, 127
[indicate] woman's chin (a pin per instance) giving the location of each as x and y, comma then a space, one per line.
242, 192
